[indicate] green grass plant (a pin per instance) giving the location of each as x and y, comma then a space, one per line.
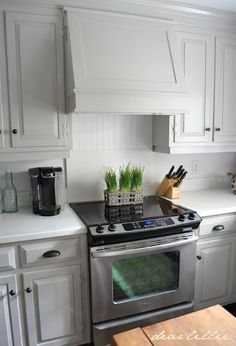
110, 180
125, 178
137, 178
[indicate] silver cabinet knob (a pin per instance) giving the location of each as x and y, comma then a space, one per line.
208, 129
218, 129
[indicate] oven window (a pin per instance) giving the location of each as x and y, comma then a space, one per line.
145, 275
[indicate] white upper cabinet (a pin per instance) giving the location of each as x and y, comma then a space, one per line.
1, 119
197, 57
125, 63
210, 72
36, 81
225, 91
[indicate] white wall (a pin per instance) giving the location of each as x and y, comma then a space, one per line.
112, 140
21, 176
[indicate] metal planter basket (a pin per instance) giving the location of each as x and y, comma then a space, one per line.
123, 198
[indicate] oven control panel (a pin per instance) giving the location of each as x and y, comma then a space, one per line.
147, 224
192, 219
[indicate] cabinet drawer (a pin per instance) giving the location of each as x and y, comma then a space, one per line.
50, 252
7, 258
217, 225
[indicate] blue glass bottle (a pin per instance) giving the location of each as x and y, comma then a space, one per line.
9, 194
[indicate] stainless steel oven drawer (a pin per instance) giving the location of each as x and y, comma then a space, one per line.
102, 332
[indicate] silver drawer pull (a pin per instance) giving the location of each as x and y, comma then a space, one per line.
218, 228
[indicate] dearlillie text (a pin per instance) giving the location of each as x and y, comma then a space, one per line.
194, 335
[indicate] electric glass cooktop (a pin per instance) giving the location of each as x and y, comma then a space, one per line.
94, 213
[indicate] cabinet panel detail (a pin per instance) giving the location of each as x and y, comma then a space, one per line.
225, 100
10, 326
198, 56
35, 60
214, 272
7, 258
54, 306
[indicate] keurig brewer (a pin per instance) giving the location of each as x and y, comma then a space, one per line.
47, 190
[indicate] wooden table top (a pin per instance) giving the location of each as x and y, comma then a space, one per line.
212, 326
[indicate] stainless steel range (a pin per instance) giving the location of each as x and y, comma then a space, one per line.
142, 263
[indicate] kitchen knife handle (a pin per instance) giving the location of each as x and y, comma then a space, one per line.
179, 170
181, 179
168, 175
180, 173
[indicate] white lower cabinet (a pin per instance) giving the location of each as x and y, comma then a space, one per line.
10, 329
214, 272
53, 305
47, 299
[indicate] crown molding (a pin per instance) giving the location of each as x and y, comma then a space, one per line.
168, 9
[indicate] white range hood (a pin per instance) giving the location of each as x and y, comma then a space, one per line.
123, 64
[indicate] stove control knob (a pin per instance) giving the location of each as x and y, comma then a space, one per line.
191, 216
100, 229
181, 217
112, 227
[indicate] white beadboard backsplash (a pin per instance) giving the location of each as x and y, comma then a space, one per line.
102, 140
111, 140
103, 132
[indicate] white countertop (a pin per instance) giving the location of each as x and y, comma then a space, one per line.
24, 225
208, 202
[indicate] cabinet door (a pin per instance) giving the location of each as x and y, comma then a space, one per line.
234, 278
10, 330
225, 95
1, 117
36, 84
197, 57
54, 307
214, 273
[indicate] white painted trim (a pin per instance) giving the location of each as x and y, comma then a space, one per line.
195, 149
37, 155
140, 7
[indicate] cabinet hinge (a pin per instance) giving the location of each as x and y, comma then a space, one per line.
65, 33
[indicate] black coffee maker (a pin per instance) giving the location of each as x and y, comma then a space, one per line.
47, 190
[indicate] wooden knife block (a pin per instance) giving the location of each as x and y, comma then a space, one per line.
173, 193
167, 189
164, 186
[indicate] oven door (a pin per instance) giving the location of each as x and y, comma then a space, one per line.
139, 276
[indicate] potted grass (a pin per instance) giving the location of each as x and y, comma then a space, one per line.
137, 178
110, 180
130, 189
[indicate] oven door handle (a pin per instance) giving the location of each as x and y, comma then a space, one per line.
143, 249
